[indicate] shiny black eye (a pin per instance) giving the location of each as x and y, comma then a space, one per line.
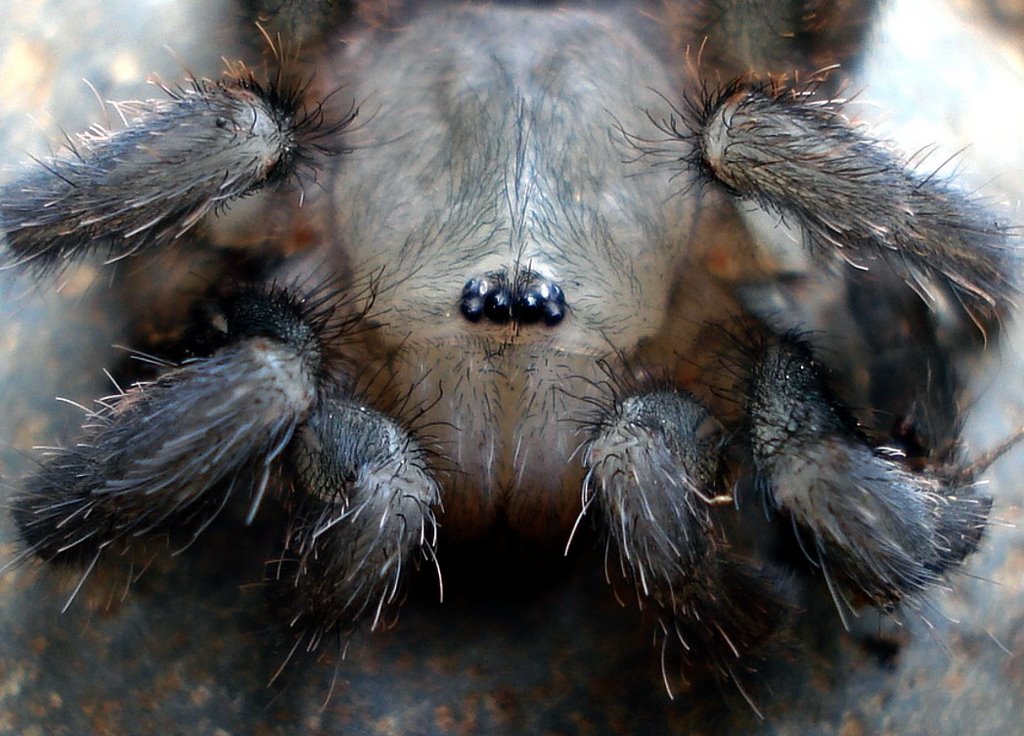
528, 299
554, 312
473, 294
531, 307
498, 305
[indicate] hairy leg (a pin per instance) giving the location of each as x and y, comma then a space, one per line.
167, 455
177, 446
653, 471
882, 527
363, 507
779, 37
852, 198
176, 160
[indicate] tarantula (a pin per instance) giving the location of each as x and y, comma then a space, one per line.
468, 279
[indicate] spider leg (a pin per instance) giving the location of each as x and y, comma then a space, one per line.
166, 453
882, 530
307, 22
736, 37
364, 504
905, 348
653, 472
150, 182
852, 198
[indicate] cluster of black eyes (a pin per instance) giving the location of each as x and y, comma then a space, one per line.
531, 301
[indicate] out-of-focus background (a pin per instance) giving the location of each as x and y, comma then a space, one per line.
188, 650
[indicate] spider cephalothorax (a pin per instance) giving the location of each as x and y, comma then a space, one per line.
514, 292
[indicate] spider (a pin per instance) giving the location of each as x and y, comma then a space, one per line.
455, 279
